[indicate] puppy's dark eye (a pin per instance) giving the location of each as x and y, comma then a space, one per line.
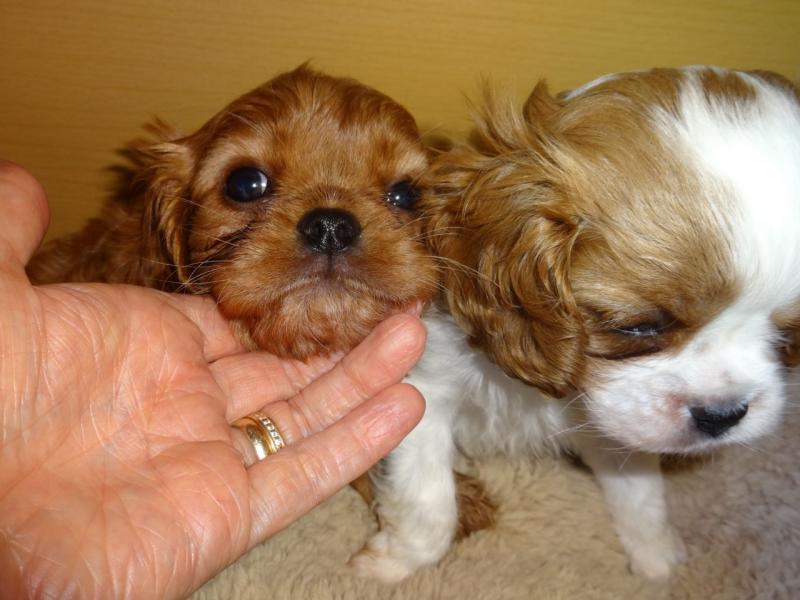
247, 184
402, 195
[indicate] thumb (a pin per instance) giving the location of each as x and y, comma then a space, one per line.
25, 215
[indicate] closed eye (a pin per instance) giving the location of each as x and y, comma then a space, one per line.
623, 338
652, 325
647, 329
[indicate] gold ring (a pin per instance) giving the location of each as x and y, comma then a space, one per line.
262, 433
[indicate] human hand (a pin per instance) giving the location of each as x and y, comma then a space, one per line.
120, 475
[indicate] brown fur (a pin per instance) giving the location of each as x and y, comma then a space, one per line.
788, 323
476, 509
324, 143
562, 223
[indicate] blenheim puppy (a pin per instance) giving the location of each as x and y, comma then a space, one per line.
293, 207
627, 258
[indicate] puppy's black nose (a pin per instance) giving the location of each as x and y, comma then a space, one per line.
329, 230
717, 420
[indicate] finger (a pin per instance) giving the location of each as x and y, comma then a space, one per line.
251, 380
219, 339
314, 401
384, 358
288, 484
25, 214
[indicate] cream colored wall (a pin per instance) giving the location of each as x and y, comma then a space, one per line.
78, 77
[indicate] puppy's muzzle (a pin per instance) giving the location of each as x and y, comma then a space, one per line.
329, 230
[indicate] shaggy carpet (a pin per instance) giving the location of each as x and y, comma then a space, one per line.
737, 510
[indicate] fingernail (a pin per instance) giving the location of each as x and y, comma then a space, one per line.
415, 308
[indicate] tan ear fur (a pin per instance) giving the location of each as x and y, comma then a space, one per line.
139, 237
160, 180
506, 243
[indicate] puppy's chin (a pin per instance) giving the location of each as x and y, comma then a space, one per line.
314, 320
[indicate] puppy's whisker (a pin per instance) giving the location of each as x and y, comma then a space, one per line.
423, 237
457, 266
176, 265
623, 448
752, 448
448, 229
415, 221
625, 460
211, 209
160, 263
572, 401
583, 428
203, 277
208, 261
232, 239
444, 230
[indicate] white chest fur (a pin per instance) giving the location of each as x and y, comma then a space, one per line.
487, 411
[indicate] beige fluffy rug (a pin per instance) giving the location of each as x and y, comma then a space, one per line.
738, 512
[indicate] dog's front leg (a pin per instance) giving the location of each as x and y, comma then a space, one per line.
415, 499
634, 492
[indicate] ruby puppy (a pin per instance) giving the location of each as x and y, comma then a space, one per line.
623, 280
293, 207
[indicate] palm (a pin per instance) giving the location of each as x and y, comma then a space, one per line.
149, 471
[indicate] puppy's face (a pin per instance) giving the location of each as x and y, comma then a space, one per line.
295, 208
639, 242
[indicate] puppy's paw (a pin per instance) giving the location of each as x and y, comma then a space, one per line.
656, 557
375, 560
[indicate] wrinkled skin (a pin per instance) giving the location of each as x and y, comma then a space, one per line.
120, 475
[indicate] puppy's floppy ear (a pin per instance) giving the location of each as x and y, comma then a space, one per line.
506, 230
159, 180
140, 237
